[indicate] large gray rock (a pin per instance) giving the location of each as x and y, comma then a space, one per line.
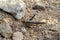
15, 7
5, 29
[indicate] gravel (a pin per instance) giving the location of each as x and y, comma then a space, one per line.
29, 14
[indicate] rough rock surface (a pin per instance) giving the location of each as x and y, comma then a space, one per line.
17, 36
14, 7
5, 29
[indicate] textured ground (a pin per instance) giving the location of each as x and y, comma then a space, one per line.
49, 30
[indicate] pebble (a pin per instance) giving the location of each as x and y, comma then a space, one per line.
52, 20
5, 29
9, 20
14, 7
38, 2
17, 36
6, 39
23, 29
39, 5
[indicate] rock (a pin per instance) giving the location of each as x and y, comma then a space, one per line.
6, 39
14, 7
23, 29
39, 5
17, 36
5, 29
9, 20
52, 20
51, 35
0, 38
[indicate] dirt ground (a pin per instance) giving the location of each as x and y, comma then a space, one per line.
48, 30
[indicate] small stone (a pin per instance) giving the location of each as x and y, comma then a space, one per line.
14, 7
23, 29
6, 39
40, 3
36, 0
52, 35
0, 38
9, 20
44, 20
17, 36
5, 29
52, 20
